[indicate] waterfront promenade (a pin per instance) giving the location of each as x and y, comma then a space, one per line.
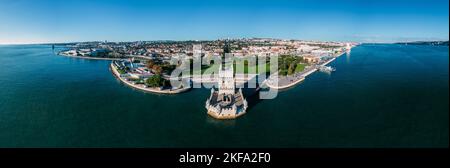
283, 82
93, 58
143, 87
274, 81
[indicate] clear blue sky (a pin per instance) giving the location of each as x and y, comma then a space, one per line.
32, 21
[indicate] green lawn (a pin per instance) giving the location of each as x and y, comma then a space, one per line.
121, 71
204, 68
250, 68
300, 67
238, 69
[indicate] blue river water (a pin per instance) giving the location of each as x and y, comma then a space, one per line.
381, 95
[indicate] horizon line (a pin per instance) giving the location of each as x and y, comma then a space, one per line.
367, 42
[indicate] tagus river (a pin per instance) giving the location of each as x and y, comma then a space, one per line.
379, 96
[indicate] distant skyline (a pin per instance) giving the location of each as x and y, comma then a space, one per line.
49, 21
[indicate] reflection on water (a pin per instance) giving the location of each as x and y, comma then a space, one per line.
347, 55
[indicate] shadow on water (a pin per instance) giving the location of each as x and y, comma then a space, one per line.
252, 94
252, 98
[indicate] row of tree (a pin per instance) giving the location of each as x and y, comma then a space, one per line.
155, 68
157, 81
288, 63
158, 68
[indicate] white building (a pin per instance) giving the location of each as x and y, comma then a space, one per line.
226, 103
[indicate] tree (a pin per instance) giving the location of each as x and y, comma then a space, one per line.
301, 60
157, 69
282, 72
155, 81
150, 64
168, 67
291, 69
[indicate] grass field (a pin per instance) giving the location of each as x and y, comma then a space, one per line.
300, 67
239, 68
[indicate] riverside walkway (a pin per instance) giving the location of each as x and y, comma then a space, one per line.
143, 87
283, 82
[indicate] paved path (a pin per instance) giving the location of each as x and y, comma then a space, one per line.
142, 86
283, 82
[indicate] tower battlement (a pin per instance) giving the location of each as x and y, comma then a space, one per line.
226, 102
